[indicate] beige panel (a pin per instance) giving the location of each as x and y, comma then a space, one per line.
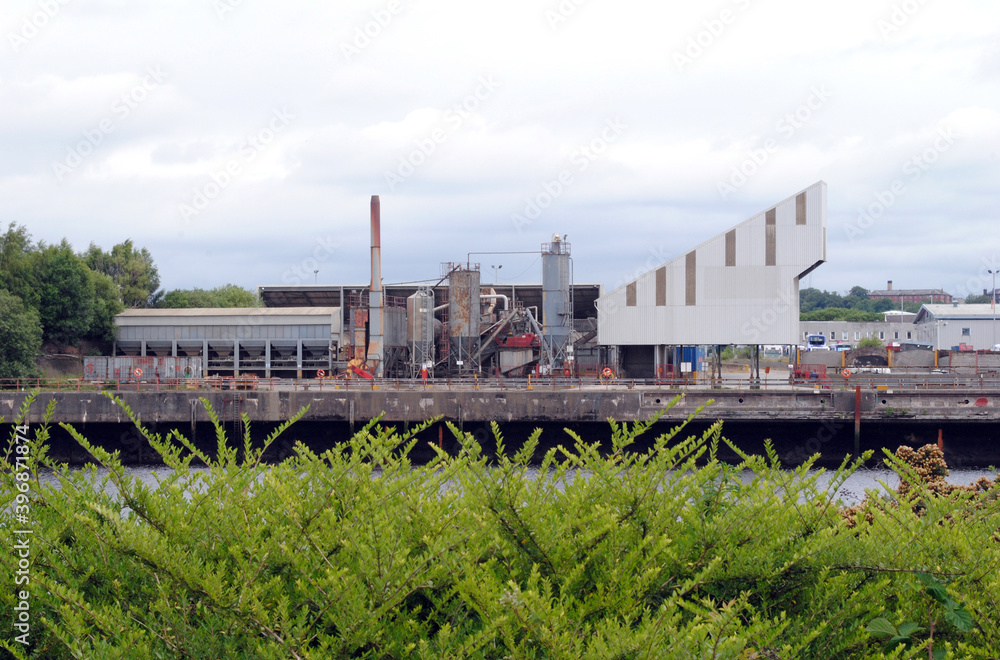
661, 286
690, 279
630, 295
800, 209
770, 245
731, 248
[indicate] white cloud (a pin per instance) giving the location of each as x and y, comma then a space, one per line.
560, 79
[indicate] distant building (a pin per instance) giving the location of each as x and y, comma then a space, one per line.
282, 342
852, 332
911, 295
896, 316
962, 327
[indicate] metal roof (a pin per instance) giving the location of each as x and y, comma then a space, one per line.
230, 316
983, 311
226, 311
907, 292
530, 294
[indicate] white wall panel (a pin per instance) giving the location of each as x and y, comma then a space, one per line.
748, 303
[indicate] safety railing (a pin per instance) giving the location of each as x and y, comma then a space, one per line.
837, 381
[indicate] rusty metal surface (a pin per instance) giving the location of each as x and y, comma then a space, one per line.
376, 322
463, 303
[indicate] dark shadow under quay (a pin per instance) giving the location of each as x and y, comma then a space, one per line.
967, 445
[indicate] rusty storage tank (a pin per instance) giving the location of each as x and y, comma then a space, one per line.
463, 316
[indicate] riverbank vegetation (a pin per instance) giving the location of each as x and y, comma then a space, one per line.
54, 300
584, 552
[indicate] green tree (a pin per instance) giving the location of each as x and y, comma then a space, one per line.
871, 342
228, 295
132, 270
231, 295
65, 293
841, 314
977, 299
812, 299
883, 305
20, 337
16, 268
106, 306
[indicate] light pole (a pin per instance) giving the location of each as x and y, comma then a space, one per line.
496, 270
993, 306
315, 277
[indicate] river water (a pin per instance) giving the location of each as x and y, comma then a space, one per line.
852, 491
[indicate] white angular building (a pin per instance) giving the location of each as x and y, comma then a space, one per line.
741, 287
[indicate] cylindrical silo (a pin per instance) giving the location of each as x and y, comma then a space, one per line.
420, 330
463, 317
557, 308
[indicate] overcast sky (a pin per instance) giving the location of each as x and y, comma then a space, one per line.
240, 140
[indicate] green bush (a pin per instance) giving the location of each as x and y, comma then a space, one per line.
596, 552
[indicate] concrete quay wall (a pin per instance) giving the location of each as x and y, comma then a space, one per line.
566, 405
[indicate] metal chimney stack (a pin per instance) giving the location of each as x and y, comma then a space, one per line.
375, 306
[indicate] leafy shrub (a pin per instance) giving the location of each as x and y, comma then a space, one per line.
596, 552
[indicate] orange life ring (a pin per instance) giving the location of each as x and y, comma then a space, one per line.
138, 372
846, 373
607, 373
320, 373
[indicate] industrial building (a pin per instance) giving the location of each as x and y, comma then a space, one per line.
289, 342
457, 325
954, 327
851, 332
741, 287
958, 327
738, 288
495, 298
897, 327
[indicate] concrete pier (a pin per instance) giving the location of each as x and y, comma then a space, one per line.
587, 404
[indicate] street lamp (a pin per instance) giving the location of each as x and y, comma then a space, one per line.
496, 270
993, 306
316, 277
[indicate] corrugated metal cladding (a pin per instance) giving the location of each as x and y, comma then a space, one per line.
741, 287
141, 368
394, 328
230, 323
